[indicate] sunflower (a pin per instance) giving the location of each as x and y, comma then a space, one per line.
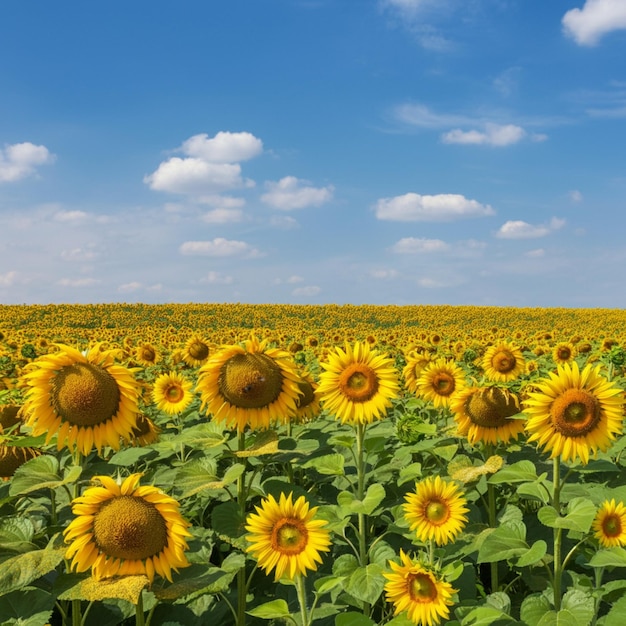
358, 383
439, 380
416, 361
285, 536
172, 393
11, 457
609, 524
146, 432
308, 402
563, 352
146, 354
574, 413
9, 417
196, 351
84, 398
249, 384
413, 588
436, 510
483, 414
126, 529
503, 362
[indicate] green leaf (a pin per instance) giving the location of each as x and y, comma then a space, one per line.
522, 471
446, 452
195, 581
374, 496
130, 456
27, 607
534, 491
409, 473
562, 618
381, 552
536, 552
21, 570
580, 515
500, 601
270, 610
352, 618
42, 472
366, 583
327, 583
16, 534
580, 604
401, 620
486, 616
533, 609
345, 565
504, 542
615, 617
329, 464
226, 520
609, 557
196, 476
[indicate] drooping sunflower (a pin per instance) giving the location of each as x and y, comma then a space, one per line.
609, 525
146, 432
358, 383
416, 361
86, 399
308, 402
9, 417
126, 529
249, 384
503, 361
414, 589
172, 392
574, 413
11, 457
196, 351
146, 354
286, 537
563, 352
436, 510
483, 414
439, 381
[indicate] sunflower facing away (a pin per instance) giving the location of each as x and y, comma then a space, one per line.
609, 525
436, 510
483, 414
11, 457
249, 384
85, 399
358, 383
126, 529
285, 536
574, 413
439, 381
145, 433
308, 402
416, 361
413, 588
172, 393
503, 362
196, 351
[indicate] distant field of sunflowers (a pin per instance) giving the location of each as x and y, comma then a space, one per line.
331, 465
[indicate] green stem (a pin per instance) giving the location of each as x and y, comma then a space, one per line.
360, 494
76, 614
241, 499
301, 589
491, 504
558, 532
139, 616
431, 552
599, 573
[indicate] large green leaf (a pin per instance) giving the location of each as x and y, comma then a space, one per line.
350, 504
536, 552
580, 515
504, 542
130, 456
42, 472
563, 617
486, 616
610, 557
16, 534
366, 583
352, 618
27, 607
329, 464
533, 609
21, 570
580, 604
615, 617
275, 609
522, 471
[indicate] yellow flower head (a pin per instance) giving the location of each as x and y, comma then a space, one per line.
440, 379
503, 362
609, 526
172, 392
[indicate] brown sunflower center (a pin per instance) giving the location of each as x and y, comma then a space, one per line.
443, 384
563, 353
503, 361
198, 350
11, 457
250, 381
421, 588
307, 396
174, 393
612, 526
491, 407
289, 536
575, 412
128, 527
148, 353
436, 512
358, 382
85, 394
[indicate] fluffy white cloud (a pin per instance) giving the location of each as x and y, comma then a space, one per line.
417, 114
537, 253
129, 287
493, 135
575, 196
223, 216
216, 278
413, 245
284, 222
20, 160
384, 274
311, 290
292, 193
413, 207
78, 282
223, 202
225, 147
518, 229
70, 216
597, 18
8, 278
292, 280
218, 247
78, 255
210, 165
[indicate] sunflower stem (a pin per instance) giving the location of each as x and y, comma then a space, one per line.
139, 616
491, 501
301, 589
599, 573
360, 494
76, 613
241, 499
558, 532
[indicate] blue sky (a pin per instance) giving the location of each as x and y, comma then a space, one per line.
314, 151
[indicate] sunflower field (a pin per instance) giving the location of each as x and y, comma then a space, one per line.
332, 465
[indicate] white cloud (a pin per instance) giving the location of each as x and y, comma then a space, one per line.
575, 196
412, 245
597, 18
518, 229
70, 216
431, 283
225, 147
216, 278
311, 290
78, 255
292, 280
420, 115
384, 274
20, 160
284, 222
413, 207
218, 247
292, 193
78, 282
8, 278
129, 287
537, 253
493, 135
222, 202
223, 216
